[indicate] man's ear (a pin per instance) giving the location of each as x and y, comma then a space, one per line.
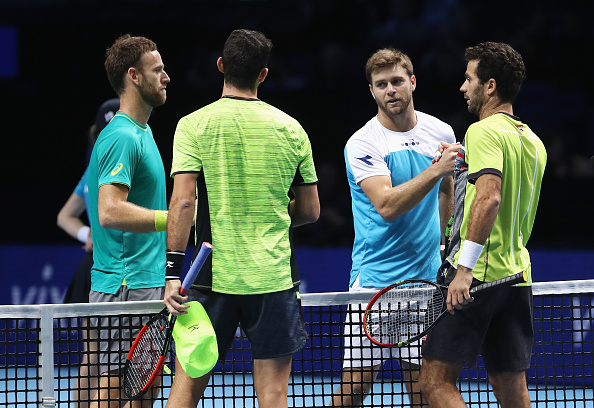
491, 87
371, 90
220, 64
132, 74
262, 75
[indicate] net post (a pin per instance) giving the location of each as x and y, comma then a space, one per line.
46, 356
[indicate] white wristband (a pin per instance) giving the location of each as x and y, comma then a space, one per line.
83, 234
469, 254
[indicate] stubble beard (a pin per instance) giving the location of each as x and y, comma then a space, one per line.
404, 104
476, 102
152, 96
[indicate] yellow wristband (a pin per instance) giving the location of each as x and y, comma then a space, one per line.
160, 220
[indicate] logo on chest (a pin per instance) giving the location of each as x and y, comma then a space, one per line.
410, 142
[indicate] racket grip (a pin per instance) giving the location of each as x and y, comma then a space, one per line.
205, 250
519, 277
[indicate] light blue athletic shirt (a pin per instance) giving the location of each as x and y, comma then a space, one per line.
408, 247
126, 153
82, 190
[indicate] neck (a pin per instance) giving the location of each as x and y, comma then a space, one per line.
135, 108
229, 90
492, 107
398, 123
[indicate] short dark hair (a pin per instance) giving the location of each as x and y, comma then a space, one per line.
245, 54
502, 63
125, 52
387, 58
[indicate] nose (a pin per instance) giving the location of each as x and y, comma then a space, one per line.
463, 87
166, 78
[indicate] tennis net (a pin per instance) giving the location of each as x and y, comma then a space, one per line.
42, 349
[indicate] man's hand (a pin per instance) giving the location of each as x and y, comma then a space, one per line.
88, 246
443, 146
173, 300
459, 290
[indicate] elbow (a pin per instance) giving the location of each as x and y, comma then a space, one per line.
314, 212
310, 215
387, 214
107, 218
492, 201
388, 217
495, 202
60, 220
313, 215
305, 216
106, 221
184, 204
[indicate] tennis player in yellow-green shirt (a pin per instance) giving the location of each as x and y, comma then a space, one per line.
498, 177
242, 158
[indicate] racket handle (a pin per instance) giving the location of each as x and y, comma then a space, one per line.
205, 250
520, 277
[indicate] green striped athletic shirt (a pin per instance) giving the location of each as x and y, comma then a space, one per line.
248, 155
501, 144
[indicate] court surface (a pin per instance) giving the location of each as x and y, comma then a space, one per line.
240, 386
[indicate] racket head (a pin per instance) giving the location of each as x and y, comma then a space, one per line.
404, 312
147, 355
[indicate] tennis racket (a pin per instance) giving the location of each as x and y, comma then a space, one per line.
407, 310
150, 348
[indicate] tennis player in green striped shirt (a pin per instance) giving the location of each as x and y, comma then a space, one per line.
250, 166
498, 177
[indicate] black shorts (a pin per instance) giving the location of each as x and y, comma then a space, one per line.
80, 285
272, 322
498, 324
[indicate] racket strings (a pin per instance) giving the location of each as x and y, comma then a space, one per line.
146, 356
404, 312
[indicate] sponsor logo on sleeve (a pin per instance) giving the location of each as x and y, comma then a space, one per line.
117, 169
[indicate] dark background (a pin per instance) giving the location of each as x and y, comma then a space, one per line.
316, 75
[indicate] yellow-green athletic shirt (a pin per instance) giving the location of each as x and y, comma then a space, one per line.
248, 154
501, 144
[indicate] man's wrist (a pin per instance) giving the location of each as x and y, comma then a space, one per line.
469, 254
160, 220
83, 234
174, 264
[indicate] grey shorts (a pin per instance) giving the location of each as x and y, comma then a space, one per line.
117, 333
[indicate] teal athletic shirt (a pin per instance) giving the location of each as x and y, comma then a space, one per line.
126, 153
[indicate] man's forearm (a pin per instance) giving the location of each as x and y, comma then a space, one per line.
179, 225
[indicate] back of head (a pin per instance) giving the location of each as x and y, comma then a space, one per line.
105, 113
125, 53
387, 58
245, 55
502, 63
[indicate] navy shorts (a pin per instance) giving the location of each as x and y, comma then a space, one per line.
498, 324
272, 322
80, 285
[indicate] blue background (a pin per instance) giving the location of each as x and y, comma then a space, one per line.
34, 274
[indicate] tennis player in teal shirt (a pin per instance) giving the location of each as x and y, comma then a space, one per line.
126, 154
127, 197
